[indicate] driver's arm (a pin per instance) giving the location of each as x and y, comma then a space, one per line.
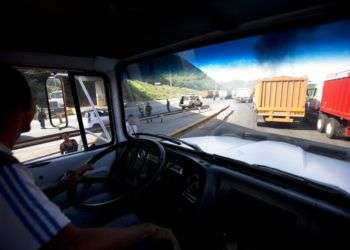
31, 221
69, 180
55, 189
72, 237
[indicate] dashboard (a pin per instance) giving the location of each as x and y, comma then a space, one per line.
189, 176
183, 178
224, 200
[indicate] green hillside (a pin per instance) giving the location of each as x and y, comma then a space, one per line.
142, 91
171, 70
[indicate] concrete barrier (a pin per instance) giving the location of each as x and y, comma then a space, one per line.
181, 131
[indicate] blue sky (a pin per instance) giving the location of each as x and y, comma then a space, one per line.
313, 52
223, 54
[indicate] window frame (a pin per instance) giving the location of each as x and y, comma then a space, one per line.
109, 98
119, 72
43, 160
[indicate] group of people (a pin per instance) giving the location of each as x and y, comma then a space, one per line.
148, 108
145, 109
133, 122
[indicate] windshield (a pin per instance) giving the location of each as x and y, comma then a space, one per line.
289, 86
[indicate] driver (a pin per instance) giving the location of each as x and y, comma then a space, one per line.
29, 220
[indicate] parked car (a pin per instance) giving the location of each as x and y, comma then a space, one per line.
223, 94
56, 101
90, 119
191, 101
243, 95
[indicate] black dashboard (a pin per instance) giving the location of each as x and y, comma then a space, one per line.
213, 198
184, 178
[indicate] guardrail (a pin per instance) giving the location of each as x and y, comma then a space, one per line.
45, 139
161, 115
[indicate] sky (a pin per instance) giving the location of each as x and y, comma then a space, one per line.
314, 52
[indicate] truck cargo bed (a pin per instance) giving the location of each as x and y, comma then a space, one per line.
280, 99
336, 98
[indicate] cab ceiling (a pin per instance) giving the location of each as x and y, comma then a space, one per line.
121, 29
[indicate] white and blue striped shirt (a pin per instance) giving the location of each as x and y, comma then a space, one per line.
28, 219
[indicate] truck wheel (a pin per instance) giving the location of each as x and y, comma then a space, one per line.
332, 128
260, 121
321, 123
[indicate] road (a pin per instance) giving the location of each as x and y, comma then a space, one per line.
157, 107
166, 124
243, 119
36, 130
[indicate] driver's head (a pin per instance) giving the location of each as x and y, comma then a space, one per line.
16, 104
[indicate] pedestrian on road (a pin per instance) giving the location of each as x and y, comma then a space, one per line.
41, 118
68, 145
168, 105
148, 110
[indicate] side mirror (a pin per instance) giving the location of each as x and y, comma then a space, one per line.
56, 102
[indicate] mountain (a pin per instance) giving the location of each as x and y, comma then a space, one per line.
235, 84
170, 70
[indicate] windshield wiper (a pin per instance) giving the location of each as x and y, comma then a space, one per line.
173, 140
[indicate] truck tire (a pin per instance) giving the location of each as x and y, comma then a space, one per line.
332, 128
321, 122
260, 121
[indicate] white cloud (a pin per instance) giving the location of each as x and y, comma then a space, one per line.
316, 71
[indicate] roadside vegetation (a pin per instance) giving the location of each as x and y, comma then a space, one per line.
174, 71
143, 91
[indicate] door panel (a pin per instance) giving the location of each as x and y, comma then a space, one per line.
49, 172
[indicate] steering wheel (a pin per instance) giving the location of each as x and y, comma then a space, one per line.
138, 166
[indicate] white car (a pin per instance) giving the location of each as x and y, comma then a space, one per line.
91, 120
56, 101
190, 101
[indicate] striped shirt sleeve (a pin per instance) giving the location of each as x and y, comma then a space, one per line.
28, 218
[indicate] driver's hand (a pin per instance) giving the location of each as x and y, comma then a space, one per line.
71, 177
161, 233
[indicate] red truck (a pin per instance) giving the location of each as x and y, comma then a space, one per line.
334, 115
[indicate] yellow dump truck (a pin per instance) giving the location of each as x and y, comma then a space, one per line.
280, 99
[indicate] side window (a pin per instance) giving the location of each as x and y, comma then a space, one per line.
93, 103
55, 129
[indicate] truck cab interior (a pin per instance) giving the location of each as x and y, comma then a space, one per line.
209, 201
